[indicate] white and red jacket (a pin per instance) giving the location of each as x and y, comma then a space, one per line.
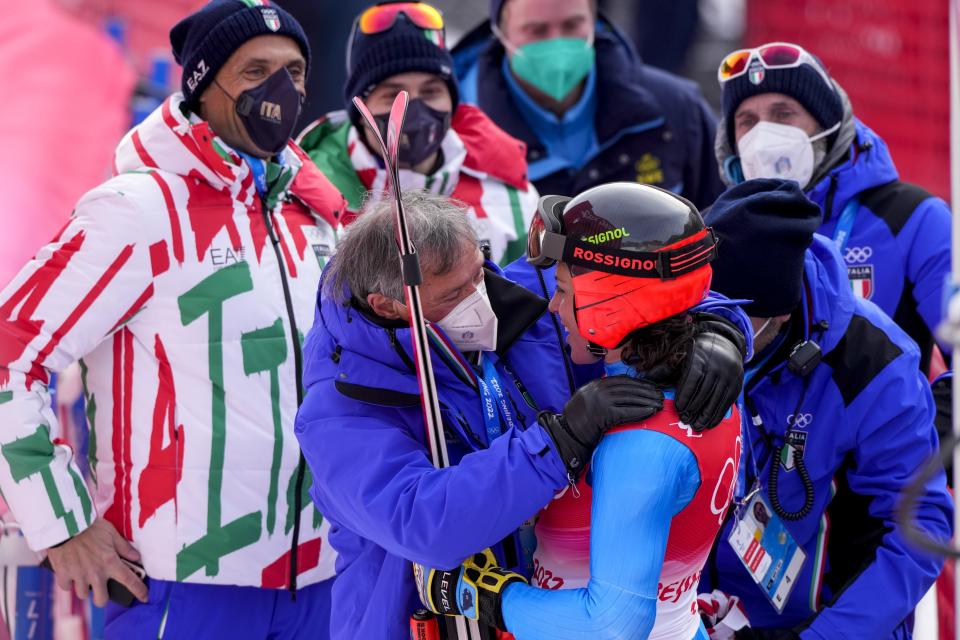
185, 298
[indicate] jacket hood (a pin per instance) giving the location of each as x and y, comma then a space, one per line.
866, 164
170, 141
729, 162
827, 295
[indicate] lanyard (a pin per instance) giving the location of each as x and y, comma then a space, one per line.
495, 405
841, 234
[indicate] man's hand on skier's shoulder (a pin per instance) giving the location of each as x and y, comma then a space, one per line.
91, 558
712, 374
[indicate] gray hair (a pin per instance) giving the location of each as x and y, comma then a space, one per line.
368, 260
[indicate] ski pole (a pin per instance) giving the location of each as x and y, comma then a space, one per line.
412, 278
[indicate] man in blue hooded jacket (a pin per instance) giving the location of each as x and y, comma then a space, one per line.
495, 364
565, 81
837, 420
785, 117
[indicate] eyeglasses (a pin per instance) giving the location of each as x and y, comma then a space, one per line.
774, 55
381, 17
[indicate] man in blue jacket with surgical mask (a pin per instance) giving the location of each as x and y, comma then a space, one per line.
785, 117
565, 81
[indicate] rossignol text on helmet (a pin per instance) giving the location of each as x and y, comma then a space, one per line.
637, 255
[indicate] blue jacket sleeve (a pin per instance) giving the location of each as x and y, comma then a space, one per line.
924, 243
632, 507
372, 477
889, 451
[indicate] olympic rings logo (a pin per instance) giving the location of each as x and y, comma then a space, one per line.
800, 420
858, 254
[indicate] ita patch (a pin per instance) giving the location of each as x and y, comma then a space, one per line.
271, 19
795, 442
861, 280
756, 72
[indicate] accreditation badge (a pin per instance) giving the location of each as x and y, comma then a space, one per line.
767, 550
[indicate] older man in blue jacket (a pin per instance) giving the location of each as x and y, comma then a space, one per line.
838, 419
494, 356
567, 82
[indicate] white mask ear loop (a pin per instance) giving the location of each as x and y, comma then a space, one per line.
825, 132
756, 334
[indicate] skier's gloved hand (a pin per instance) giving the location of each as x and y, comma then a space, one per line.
712, 374
473, 590
595, 408
749, 633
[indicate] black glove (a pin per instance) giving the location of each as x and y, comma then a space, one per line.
749, 633
473, 590
596, 407
712, 374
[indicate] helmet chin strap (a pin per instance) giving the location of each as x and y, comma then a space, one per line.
596, 349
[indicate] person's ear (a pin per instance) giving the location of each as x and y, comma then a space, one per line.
387, 307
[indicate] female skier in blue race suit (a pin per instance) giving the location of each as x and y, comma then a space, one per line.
619, 555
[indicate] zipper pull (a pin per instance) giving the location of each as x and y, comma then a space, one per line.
268, 221
573, 485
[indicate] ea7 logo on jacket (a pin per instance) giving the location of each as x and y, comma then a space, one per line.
198, 74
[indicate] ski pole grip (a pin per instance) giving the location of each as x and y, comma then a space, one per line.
410, 264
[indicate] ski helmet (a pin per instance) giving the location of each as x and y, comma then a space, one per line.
637, 255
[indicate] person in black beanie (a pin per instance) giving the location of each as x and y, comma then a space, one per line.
784, 116
840, 419
448, 148
244, 64
781, 223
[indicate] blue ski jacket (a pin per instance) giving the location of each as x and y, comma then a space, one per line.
862, 421
897, 254
650, 126
361, 430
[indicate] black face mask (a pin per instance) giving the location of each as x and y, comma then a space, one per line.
270, 110
423, 132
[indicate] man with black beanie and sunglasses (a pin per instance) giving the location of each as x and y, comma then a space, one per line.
837, 420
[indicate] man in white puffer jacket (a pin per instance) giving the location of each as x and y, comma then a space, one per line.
184, 286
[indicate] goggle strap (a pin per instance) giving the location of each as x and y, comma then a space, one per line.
663, 265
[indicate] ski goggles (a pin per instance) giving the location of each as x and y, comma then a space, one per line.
547, 244
774, 55
381, 17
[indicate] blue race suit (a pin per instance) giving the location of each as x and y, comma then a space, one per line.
649, 526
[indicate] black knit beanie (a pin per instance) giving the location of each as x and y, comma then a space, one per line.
803, 83
765, 227
404, 47
203, 41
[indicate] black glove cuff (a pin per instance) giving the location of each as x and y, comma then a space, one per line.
572, 451
492, 612
712, 323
